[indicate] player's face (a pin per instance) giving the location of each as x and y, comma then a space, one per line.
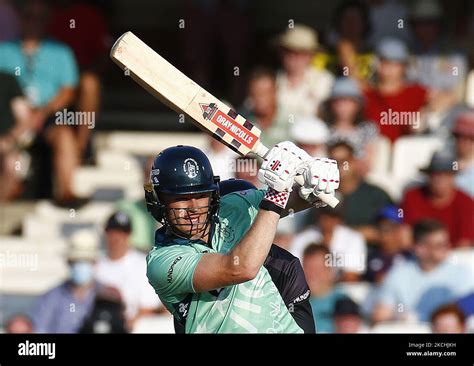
188, 213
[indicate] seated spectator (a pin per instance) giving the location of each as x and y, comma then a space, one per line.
301, 88
383, 15
392, 102
344, 115
222, 158
246, 168
14, 133
91, 45
9, 22
310, 134
463, 132
347, 246
362, 201
448, 319
466, 304
351, 53
392, 245
263, 109
19, 324
439, 199
31, 59
107, 314
64, 308
434, 58
143, 224
347, 317
413, 289
124, 268
321, 279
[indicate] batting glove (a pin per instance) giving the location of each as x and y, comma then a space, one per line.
320, 175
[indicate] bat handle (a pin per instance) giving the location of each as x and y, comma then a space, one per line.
329, 199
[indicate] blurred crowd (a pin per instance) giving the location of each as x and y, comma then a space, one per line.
384, 77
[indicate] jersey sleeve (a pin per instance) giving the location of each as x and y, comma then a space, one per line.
245, 202
170, 270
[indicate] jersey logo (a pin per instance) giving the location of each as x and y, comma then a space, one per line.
191, 168
169, 277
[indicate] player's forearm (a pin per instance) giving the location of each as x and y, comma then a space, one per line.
249, 254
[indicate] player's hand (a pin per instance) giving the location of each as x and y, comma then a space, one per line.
321, 175
280, 166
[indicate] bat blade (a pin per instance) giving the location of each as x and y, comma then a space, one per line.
176, 90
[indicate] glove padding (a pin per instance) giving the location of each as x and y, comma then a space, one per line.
321, 175
280, 166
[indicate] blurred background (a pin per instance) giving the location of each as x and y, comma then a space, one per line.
384, 87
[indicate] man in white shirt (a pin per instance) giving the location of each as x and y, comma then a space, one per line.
125, 269
347, 246
301, 88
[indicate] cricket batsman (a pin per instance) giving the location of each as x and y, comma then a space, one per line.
207, 265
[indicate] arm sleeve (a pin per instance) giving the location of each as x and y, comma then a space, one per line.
170, 270
387, 295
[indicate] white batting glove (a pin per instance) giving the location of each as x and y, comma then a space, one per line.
280, 166
321, 175
278, 172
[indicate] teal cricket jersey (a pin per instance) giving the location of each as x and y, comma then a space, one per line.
251, 307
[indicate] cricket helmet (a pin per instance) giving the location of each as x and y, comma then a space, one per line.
181, 170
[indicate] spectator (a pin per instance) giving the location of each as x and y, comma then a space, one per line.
349, 40
263, 107
384, 15
32, 59
321, 279
19, 324
362, 201
285, 233
416, 288
439, 199
310, 134
64, 308
9, 22
247, 169
463, 132
345, 118
14, 132
347, 246
124, 268
434, 59
392, 247
301, 88
466, 304
222, 159
448, 319
143, 224
83, 28
392, 102
347, 317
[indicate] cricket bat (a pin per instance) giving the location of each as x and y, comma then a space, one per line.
180, 93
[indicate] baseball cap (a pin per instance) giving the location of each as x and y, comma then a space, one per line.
389, 212
392, 49
346, 306
464, 124
299, 38
310, 130
83, 245
119, 221
441, 161
345, 87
